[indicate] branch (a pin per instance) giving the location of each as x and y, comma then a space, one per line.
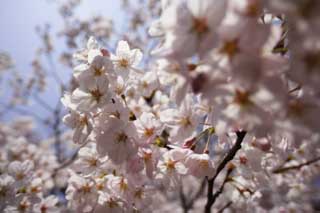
187, 205
225, 207
220, 190
183, 200
57, 134
233, 151
43, 104
295, 89
198, 194
26, 112
68, 162
285, 169
54, 72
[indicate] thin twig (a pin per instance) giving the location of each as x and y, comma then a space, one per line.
42, 103
225, 207
285, 169
57, 134
220, 190
26, 112
188, 204
198, 194
183, 199
68, 162
54, 72
295, 89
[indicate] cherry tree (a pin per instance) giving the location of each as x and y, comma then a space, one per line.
196, 106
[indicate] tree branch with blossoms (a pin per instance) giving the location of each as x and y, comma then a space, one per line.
211, 197
152, 101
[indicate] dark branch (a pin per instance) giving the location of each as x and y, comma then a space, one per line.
42, 103
187, 205
233, 151
225, 207
198, 194
183, 200
68, 162
220, 190
285, 169
57, 134
213, 197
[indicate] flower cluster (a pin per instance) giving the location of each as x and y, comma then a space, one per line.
26, 172
227, 100
123, 120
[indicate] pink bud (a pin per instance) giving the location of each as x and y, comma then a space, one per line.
188, 143
105, 52
263, 144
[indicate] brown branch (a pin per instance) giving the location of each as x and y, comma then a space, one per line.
285, 169
68, 162
187, 205
220, 190
57, 134
295, 89
233, 151
198, 194
183, 199
225, 207
42, 103
54, 73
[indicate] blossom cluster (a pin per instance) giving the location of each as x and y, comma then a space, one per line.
26, 171
120, 116
228, 100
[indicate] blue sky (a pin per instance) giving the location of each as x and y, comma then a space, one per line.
18, 20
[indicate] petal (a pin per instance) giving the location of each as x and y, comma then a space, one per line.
92, 43
92, 54
180, 168
135, 57
122, 48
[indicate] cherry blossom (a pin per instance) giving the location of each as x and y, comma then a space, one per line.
219, 113
117, 140
125, 59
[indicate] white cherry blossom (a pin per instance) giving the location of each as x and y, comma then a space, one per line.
126, 60
117, 140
